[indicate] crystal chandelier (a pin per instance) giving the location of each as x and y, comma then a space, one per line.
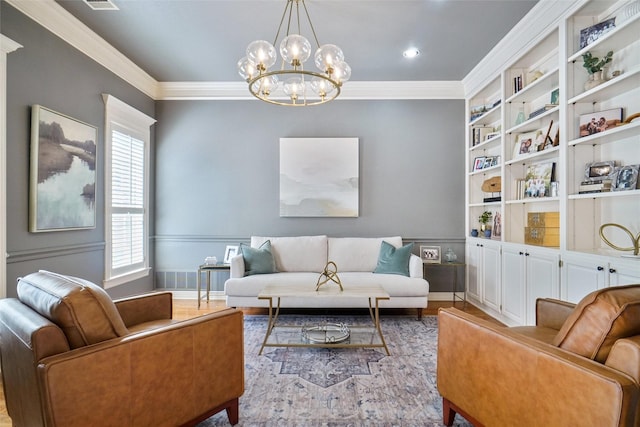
291, 84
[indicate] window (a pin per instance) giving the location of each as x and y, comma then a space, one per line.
127, 140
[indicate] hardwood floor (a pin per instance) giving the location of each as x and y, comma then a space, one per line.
187, 309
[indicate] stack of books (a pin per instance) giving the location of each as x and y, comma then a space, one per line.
542, 110
599, 186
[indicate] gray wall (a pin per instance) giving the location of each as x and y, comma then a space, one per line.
50, 72
217, 175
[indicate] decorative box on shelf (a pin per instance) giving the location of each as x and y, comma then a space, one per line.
543, 229
543, 219
542, 236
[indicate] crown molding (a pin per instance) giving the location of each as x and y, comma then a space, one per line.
56, 19
541, 20
225, 91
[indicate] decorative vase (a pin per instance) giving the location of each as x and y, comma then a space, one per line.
595, 79
450, 255
474, 232
483, 227
487, 233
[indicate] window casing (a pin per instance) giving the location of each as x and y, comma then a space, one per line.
127, 153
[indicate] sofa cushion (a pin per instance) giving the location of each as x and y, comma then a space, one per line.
358, 253
84, 311
599, 320
258, 260
300, 253
394, 260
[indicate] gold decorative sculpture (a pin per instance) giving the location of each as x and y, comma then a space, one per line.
635, 240
330, 273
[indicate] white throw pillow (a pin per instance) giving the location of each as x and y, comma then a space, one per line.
358, 253
300, 253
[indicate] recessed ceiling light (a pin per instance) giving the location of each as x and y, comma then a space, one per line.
412, 52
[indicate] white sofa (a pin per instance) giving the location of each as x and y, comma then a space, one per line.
300, 260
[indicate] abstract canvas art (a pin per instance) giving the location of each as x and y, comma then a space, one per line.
319, 177
63, 172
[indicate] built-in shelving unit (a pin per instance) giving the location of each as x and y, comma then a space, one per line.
535, 106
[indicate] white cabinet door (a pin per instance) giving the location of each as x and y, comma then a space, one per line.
624, 272
542, 279
513, 277
582, 274
473, 258
491, 275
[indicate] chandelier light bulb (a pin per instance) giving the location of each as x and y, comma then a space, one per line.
294, 87
266, 85
262, 53
327, 56
341, 72
295, 49
322, 87
247, 69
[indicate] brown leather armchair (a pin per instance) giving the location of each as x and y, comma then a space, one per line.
579, 366
73, 357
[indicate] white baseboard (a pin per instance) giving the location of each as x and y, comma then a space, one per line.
213, 295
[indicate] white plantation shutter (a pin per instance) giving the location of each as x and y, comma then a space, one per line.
127, 200
126, 181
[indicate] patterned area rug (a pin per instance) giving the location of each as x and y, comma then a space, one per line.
342, 387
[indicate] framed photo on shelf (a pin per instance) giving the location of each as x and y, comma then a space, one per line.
478, 163
229, 253
525, 143
627, 178
590, 34
430, 254
599, 121
496, 232
599, 171
488, 162
538, 179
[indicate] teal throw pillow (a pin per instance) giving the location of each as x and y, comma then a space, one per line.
258, 260
394, 260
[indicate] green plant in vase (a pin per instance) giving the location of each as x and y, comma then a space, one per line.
484, 219
595, 68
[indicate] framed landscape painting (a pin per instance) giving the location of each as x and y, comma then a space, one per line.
319, 177
63, 172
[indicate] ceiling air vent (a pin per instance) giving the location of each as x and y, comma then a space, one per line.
101, 4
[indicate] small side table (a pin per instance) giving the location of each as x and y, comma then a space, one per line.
208, 268
455, 266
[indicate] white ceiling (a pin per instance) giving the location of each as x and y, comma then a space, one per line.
201, 40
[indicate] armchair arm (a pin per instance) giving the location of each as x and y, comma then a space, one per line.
237, 267
625, 357
145, 308
164, 377
499, 377
552, 313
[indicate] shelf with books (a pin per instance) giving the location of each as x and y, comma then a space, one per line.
543, 86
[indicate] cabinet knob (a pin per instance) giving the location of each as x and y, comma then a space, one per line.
612, 270
526, 254
521, 253
600, 268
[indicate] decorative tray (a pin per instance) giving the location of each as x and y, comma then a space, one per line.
329, 333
